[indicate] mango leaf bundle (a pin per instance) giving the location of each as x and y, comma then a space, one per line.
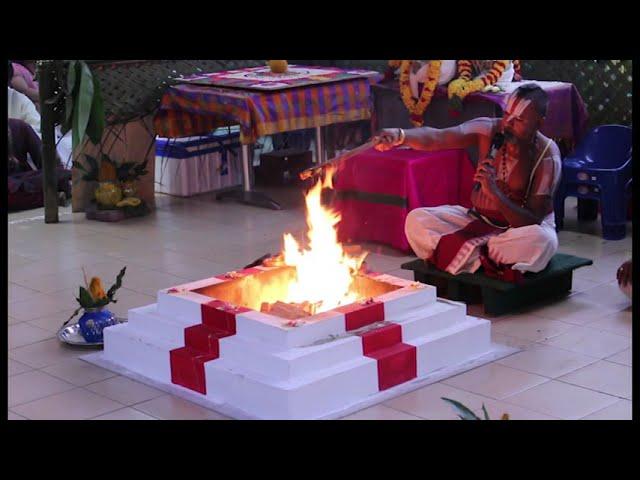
95, 297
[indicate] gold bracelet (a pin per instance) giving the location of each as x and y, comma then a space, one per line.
402, 136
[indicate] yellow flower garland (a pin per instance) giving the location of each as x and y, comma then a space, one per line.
464, 85
417, 108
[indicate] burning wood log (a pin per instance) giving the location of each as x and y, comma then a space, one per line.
258, 261
275, 261
310, 172
287, 310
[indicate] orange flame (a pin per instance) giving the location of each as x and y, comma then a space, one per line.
324, 271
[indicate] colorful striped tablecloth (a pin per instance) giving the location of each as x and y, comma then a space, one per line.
188, 110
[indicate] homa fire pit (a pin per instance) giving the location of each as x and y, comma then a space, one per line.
308, 334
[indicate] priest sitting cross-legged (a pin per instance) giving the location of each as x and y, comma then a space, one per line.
510, 229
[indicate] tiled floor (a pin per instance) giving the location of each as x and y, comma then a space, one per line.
575, 362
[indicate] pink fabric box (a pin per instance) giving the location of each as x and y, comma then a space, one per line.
376, 190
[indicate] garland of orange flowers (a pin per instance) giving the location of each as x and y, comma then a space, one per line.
464, 84
417, 108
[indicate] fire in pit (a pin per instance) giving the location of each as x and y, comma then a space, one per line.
309, 280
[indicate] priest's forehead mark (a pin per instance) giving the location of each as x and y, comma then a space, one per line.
516, 105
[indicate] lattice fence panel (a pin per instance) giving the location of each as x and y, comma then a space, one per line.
605, 85
133, 88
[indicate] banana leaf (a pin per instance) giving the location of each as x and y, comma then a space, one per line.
463, 412
70, 95
82, 105
95, 127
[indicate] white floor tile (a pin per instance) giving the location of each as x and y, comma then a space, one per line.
78, 404
22, 334
39, 306
578, 309
495, 381
14, 416
619, 323
427, 403
127, 413
18, 292
45, 353
547, 361
618, 411
602, 376
168, 407
16, 368
623, 357
124, 390
529, 327
78, 372
589, 341
380, 412
562, 400
29, 386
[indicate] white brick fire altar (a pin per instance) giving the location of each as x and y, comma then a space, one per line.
199, 340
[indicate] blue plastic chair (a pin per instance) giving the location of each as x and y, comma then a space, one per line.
600, 169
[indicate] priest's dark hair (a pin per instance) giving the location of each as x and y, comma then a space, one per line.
536, 94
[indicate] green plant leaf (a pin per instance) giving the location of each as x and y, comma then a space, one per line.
82, 105
79, 166
86, 300
70, 94
484, 410
102, 302
117, 285
95, 127
93, 163
463, 412
73, 315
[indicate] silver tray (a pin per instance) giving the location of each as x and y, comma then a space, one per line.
71, 334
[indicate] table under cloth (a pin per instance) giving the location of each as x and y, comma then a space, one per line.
566, 114
188, 110
376, 190
566, 118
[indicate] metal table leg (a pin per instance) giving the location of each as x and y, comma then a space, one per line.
247, 195
319, 146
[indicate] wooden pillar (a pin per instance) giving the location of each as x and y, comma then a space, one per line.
47, 128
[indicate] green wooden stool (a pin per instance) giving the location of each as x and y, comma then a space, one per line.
501, 297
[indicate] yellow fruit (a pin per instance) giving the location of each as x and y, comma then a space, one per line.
129, 202
108, 194
278, 66
95, 289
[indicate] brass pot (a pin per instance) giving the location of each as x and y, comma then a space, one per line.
108, 194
